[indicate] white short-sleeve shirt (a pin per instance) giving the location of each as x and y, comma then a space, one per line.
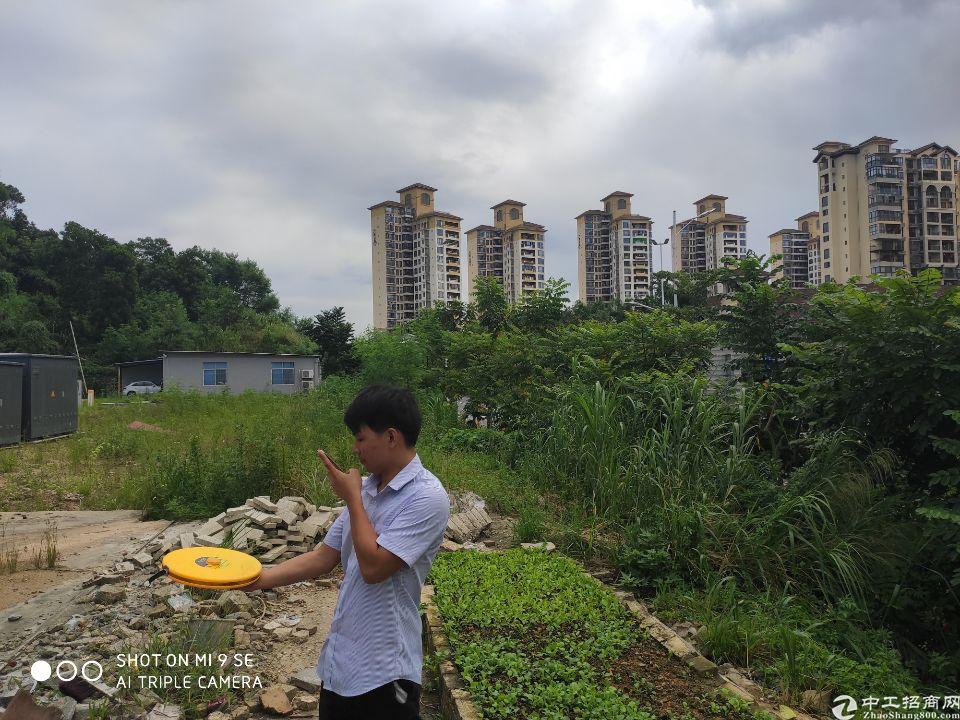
375, 634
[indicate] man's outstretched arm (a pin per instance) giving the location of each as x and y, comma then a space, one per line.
319, 561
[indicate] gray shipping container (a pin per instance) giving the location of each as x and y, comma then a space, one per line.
11, 402
49, 394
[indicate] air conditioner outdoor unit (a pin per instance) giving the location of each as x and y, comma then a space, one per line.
306, 385
306, 374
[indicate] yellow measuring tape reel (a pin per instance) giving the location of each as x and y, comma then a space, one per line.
211, 568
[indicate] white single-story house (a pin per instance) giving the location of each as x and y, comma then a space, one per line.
234, 372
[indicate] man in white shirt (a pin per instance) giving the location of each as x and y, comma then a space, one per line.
386, 539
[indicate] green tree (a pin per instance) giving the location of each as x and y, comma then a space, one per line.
453, 315
763, 315
334, 338
603, 311
884, 361
544, 308
22, 328
96, 281
490, 304
10, 198
159, 323
395, 356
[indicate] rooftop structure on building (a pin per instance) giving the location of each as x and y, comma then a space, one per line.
613, 250
416, 255
702, 241
510, 250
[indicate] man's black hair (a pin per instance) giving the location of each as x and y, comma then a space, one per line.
383, 406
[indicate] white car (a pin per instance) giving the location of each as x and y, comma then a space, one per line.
141, 387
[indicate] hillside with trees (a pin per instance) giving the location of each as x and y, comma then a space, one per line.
130, 300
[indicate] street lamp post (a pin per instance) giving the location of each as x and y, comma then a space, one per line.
660, 253
666, 240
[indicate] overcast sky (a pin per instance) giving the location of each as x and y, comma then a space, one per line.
267, 129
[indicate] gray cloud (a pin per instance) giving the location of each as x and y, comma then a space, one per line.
268, 131
743, 26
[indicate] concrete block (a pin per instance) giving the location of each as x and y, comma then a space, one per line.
263, 503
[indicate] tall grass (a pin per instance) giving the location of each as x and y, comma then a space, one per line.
678, 467
589, 439
214, 451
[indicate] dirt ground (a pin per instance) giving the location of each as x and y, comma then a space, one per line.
33, 602
86, 541
315, 603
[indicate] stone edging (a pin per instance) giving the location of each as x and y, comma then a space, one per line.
455, 701
733, 681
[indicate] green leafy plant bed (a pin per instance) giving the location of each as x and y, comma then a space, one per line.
535, 638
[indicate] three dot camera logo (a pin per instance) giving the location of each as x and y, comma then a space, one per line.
844, 707
67, 670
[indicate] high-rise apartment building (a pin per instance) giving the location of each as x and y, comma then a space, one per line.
883, 209
701, 242
416, 255
793, 247
510, 250
810, 223
613, 248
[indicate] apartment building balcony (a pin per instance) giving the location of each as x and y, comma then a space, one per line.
886, 230
885, 200
884, 159
883, 174
886, 268
886, 253
886, 216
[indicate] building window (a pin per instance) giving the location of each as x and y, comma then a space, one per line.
621, 204
408, 199
424, 198
499, 215
214, 373
514, 214
281, 373
826, 227
826, 253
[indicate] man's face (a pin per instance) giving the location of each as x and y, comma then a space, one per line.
375, 450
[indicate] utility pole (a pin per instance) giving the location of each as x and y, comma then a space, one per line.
77, 351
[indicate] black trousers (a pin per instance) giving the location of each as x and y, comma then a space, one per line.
397, 700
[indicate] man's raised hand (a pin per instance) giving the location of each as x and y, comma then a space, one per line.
345, 484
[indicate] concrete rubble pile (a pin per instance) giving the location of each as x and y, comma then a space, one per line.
118, 611
270, 531
468, 519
